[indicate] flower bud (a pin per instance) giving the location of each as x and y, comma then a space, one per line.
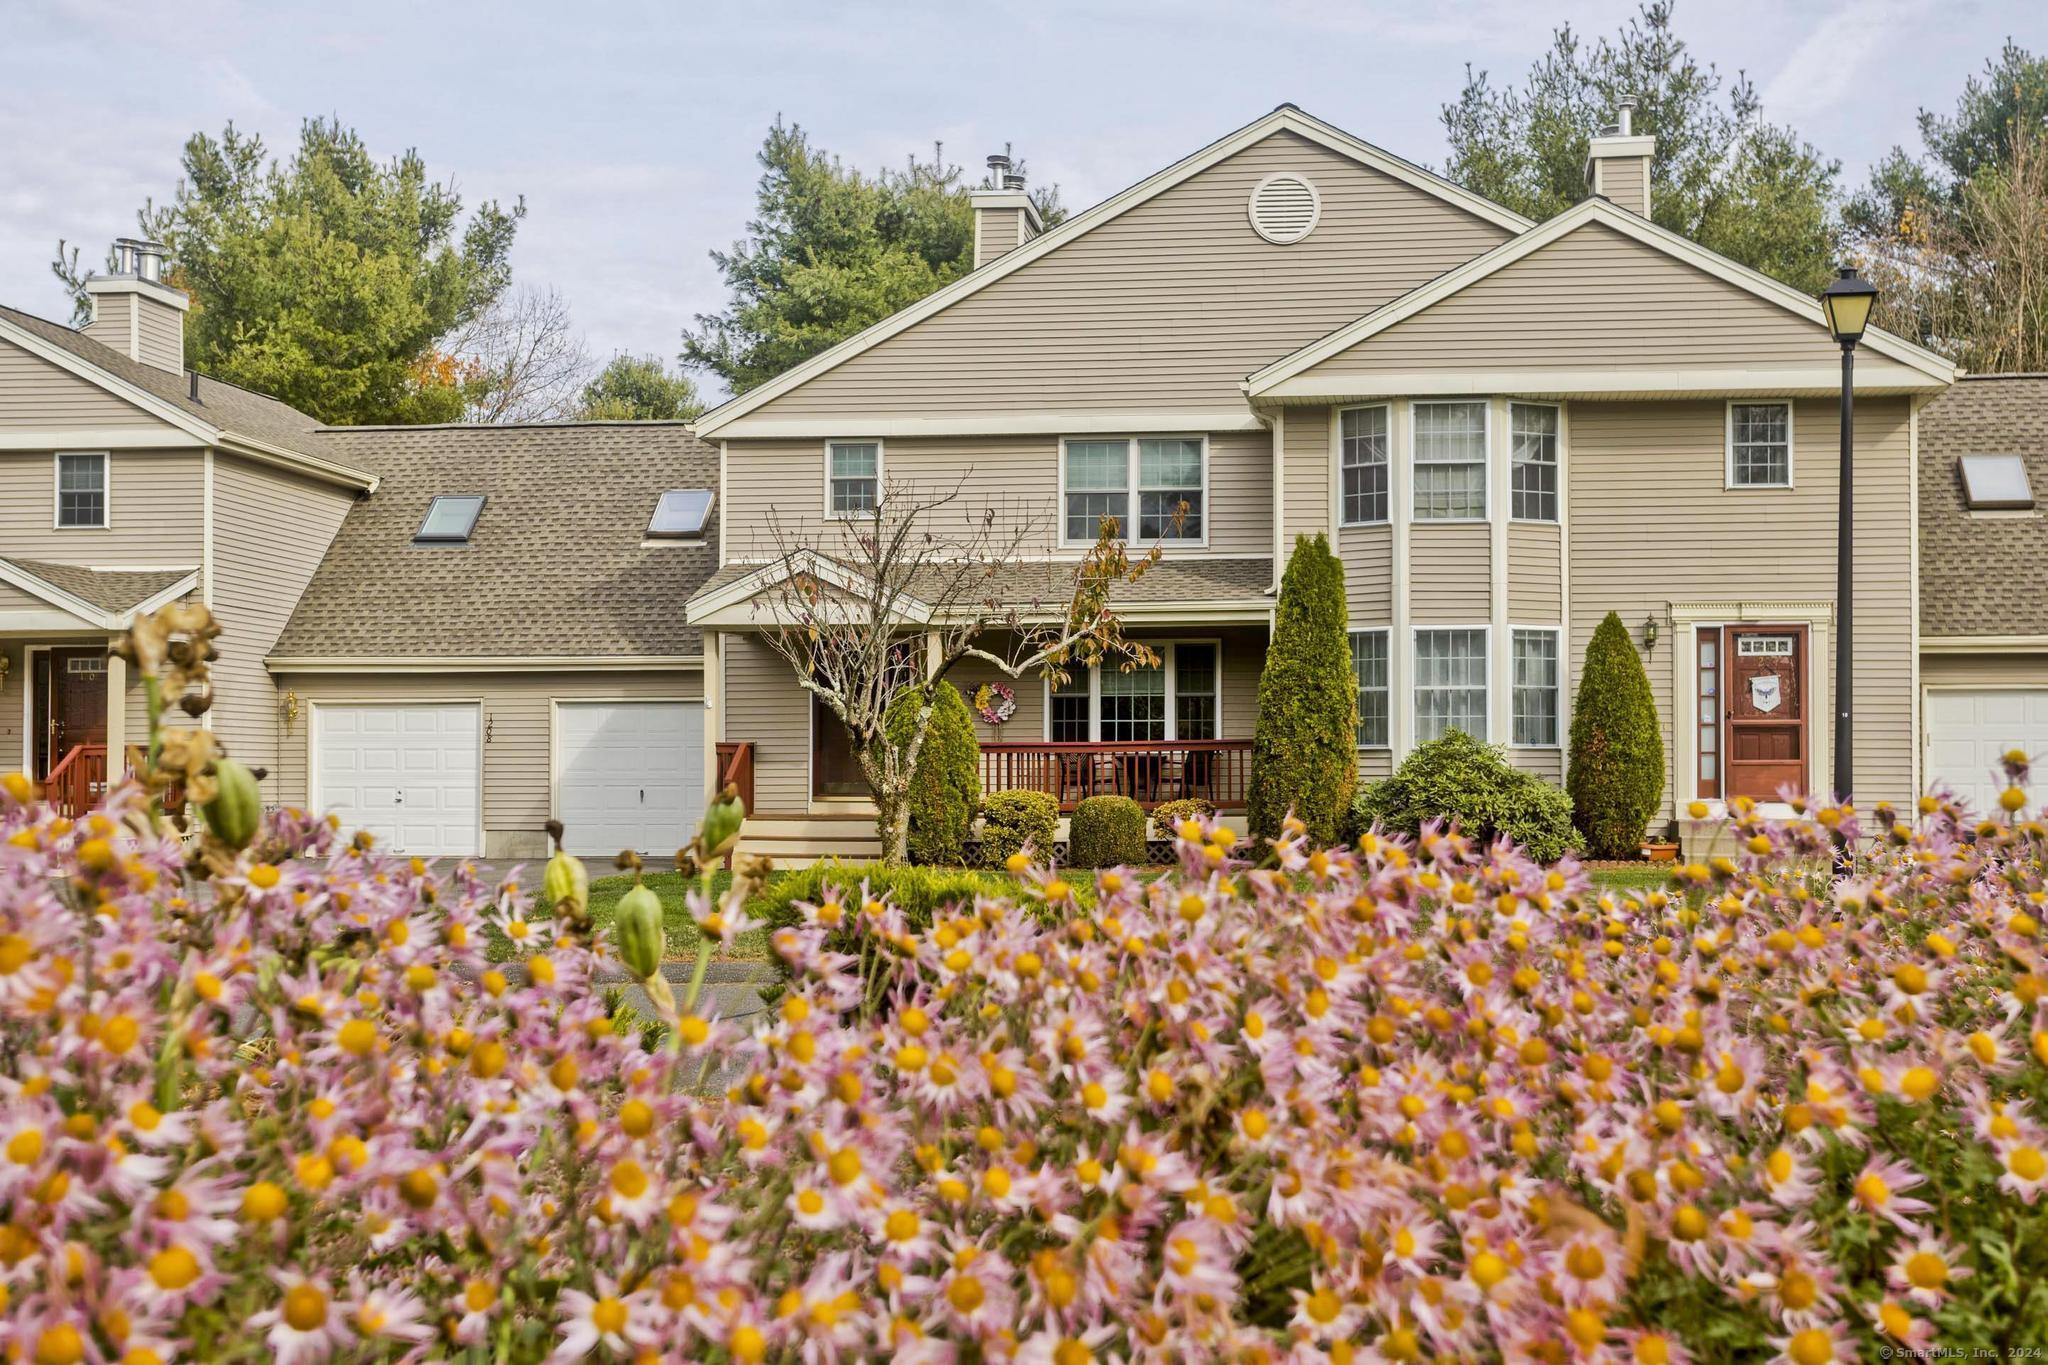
637, 927
237, 806
721, 827
565, 887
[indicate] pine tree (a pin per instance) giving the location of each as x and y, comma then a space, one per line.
1617, 759
1304, 754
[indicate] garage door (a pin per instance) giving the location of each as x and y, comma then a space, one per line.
407, 773
629, 774
1967, 731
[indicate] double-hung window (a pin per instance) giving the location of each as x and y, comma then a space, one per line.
1450, 683
1132, 704
82, 490
1535, 687
1163, 477
1533, 464
1759, 445
853, 477
1450, 461
1369, 667
1362, 463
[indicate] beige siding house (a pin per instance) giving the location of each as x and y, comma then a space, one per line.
1507, 431
447, 635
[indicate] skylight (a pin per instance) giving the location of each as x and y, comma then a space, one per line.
681, 514
1996, 482
449, 520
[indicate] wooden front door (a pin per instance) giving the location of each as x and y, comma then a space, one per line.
70, 703
1765, 709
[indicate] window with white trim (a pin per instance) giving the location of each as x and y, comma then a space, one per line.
853, 477
1362, 465
1165, 479
1536, 687
1760, 445
1532, 469
1196, 685
82, 490
1131, 704
1450, 461
1369, 668
1450, 683
1180, 697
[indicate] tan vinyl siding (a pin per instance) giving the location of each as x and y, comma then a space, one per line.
13, 692
1450, 574
1368, 555
1592, 297
1547, 764
1170, 304
114, 322
777, 489
1712, 543
1624, 183
996, 231
36, 393
1534, 583
163, 338
1374, 765
1306, 472
763, 704
518, 717
154, 502
270, 529
1983, 670
14, 599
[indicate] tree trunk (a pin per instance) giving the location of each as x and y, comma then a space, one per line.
892, 822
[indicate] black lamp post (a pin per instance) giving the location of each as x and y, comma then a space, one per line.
1847, 302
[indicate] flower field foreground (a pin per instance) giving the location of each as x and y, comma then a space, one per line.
1395, 1104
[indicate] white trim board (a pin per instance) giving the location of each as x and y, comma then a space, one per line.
1874, 379
1286, 118
474, 663
85, 612
1107, 421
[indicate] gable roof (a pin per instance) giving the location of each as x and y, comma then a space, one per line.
108, 598
1924, 366
556, 568
213, 412
1287, 118
1963, 595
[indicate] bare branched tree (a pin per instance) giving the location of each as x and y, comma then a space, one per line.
887, 602
522, 359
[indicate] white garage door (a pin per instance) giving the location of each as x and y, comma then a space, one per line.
1967, 732
407, 773
629, 774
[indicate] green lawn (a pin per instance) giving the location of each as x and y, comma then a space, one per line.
1649, 877
675, 914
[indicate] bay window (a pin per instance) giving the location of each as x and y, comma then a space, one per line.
1536, 687
1369, 667
1362, 462
1533, 461
1450, 461
1450, 683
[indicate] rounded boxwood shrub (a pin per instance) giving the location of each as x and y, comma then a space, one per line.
945, 789
1012, 819
1459, 778
1304, 755
1616, 778
1108, 831
1167, 816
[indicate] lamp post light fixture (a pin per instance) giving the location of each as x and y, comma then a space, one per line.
1847, 302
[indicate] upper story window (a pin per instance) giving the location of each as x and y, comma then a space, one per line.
82, 490
1450, 461
450, 519
1362, 465
1369, 667
1532, 468
1450, 683
1164, 477
853, 477
1759, 445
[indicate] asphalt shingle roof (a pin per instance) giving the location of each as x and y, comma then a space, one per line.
1189, 580
114, 590
555, 566
1979, 572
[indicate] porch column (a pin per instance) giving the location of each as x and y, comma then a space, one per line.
714, 707
117, 716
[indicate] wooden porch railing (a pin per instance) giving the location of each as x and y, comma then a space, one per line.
736, 768
79, 780
1217, 770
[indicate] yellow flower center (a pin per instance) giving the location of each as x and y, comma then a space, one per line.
305, 1308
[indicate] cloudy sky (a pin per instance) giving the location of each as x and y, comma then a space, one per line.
630, 128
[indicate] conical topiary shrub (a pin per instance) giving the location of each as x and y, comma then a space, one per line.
1304, 754
1617, 760
945, 788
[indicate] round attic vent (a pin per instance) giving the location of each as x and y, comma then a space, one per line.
1284, 208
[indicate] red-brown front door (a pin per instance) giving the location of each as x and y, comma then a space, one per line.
1764, 710
70, 702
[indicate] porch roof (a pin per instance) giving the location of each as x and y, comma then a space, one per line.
101, 597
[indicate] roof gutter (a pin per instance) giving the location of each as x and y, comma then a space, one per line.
312, 466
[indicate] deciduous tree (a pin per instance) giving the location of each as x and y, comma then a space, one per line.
639, 388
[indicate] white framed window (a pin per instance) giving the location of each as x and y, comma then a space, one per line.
1537, 687
1165, 479
1369, 666
1181, 697
853, 478
1532, 465
82, 493
1363, 471
1759, 445
1448, 455
1450, 682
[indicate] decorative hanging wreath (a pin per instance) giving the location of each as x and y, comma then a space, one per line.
994, 703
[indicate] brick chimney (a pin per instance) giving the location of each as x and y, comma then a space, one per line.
1004, 216
1618, 162
134, 311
